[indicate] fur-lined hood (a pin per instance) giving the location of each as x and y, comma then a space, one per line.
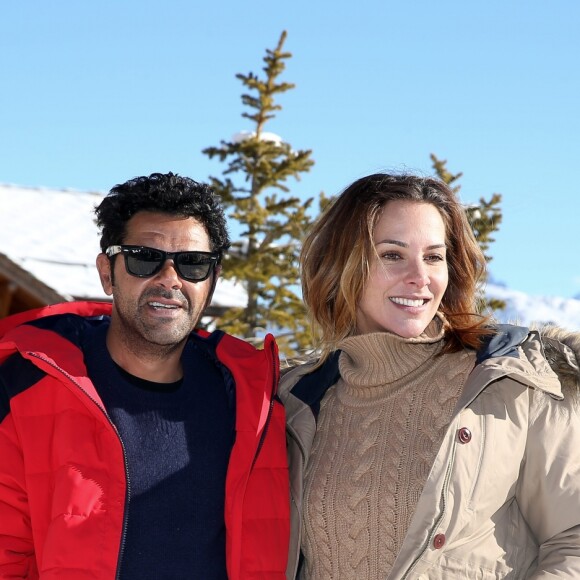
562, 351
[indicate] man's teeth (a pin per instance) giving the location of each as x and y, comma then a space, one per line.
159, 305
407, 302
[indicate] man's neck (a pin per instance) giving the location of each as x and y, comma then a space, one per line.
159, 365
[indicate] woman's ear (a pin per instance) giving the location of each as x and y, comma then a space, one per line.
105, 273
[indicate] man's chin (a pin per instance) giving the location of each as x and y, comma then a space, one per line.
166, 335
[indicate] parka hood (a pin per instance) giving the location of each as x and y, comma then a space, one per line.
562, 351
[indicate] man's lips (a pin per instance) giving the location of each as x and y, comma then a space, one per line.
160, 303
163, 305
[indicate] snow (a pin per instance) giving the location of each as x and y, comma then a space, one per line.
264, 136
527, 310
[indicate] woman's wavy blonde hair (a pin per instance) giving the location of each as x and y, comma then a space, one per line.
338, 251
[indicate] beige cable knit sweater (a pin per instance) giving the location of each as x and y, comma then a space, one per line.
378, 433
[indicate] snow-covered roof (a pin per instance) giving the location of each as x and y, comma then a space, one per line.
52, 234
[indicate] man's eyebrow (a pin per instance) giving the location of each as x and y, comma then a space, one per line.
405, 245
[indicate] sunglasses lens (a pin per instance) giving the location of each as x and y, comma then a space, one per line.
143, 262
194, 266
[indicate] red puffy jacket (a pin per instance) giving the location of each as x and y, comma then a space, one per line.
62, 466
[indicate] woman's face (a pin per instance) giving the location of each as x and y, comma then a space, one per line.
409, 274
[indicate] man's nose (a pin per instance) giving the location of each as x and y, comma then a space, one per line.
168, 276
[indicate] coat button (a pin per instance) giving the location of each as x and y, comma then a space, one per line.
439, 541
464, 435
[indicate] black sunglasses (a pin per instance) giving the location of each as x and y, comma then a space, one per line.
145, 262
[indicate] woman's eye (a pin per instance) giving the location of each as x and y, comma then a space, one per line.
435, 258
392, 256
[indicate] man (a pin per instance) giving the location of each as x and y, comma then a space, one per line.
132, 445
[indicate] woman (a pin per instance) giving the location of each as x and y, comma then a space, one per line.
424, 443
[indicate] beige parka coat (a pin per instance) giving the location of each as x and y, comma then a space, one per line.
502, 500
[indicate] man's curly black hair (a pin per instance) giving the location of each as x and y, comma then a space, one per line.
167, 193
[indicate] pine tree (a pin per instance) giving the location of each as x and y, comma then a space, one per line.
254, 191
484, 219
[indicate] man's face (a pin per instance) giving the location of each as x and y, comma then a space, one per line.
156, 314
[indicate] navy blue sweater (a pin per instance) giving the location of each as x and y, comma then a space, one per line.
177, 439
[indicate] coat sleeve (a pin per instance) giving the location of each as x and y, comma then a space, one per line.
17, 558
549, 486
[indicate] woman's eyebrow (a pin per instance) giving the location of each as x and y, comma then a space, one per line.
395, 242
405, 245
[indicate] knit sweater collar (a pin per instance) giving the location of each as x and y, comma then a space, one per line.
382, 358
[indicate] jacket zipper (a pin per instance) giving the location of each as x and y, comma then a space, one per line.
128, 486
441, 516
270, 407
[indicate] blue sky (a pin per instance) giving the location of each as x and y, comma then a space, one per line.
96, 93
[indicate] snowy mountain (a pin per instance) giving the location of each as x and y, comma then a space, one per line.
527, 310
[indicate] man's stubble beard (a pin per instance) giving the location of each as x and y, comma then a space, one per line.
153, 340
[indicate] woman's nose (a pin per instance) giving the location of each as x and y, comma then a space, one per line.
418, 274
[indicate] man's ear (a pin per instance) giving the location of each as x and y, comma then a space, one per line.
105, 273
